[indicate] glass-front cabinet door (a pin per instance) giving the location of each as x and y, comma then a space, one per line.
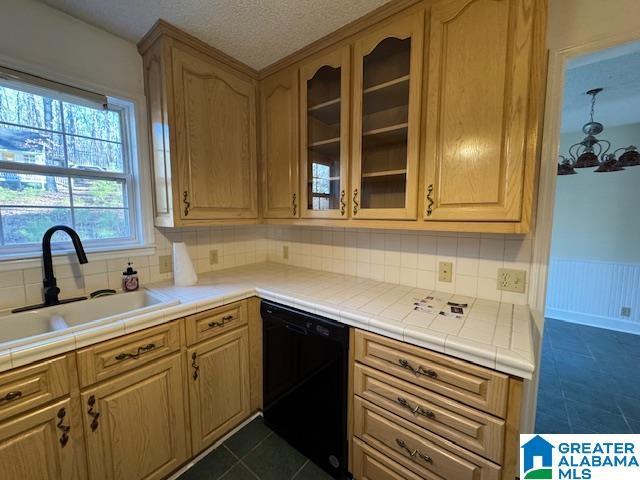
324, 135
386, 121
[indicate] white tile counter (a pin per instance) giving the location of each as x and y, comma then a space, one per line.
488, 333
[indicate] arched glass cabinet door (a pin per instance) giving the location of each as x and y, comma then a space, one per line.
324, 135
386, 120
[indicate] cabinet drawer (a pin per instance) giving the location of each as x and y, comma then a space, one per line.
472, 385
424, 453
29, 387
102, 361
479, 432
370, 464
214, 322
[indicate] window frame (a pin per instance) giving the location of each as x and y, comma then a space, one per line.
134, 187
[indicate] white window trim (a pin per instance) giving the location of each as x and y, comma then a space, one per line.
135, 128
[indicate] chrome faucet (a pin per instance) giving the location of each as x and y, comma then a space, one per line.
50, 288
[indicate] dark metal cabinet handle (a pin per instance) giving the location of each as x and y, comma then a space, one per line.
187, 204
355, 201
195, 366
226, 319
429, 200
92, 413
11, 396
417, 410
294, 204
413, 452
65, 429
417, 371
343, 206
141, 350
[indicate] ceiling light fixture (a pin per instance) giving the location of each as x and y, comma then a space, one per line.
593, 152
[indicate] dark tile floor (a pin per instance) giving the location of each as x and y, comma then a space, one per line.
255, 452
589, 380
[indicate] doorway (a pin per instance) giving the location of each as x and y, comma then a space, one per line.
591, 344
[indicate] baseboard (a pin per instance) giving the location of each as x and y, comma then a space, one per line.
616, 324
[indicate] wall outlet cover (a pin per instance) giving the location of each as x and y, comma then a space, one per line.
166, 263
511, 280
213, 257
625, 312
445, 272
285, 252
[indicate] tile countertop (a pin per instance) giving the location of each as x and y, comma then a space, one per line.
488, 333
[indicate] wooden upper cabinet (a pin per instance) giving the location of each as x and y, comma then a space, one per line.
279, 138
324, 135
202, 123
387, 78
482, 110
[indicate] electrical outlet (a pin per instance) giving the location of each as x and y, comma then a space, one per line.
511, 280
285, 252
445, 271
213, 257
166, 264
625, 312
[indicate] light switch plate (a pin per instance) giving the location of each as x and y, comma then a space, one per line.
166, 264
285, 252
213, 257
445, 272
511, 280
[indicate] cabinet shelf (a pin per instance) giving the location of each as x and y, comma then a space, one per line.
380, 137
391, 94
385, 173
330, 146
327, 112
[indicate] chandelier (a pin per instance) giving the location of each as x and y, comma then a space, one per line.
594, 152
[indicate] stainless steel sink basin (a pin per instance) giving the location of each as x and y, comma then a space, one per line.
79, 315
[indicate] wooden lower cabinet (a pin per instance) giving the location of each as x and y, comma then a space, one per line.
370, 464
134, 424
44, 444
219, 386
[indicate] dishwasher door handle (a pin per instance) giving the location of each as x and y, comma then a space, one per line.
296, 328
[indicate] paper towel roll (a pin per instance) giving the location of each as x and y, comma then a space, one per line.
184, 274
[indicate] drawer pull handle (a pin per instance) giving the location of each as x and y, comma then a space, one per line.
417, 371
415, 452
141, 350
226, 319
65, 429
194, 365
11, 396
92, 413
417, 410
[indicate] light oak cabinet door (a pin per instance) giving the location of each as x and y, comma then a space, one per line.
219, 388
387, 80
44, 444
324, 135
134, 424
480, 100
279, 139
215, 139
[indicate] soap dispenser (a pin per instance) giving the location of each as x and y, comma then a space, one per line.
130, 281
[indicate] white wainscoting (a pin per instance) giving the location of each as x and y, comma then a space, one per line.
592, 293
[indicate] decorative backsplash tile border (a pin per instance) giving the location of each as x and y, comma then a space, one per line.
407, 257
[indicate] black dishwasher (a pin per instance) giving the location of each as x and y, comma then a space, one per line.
305, 383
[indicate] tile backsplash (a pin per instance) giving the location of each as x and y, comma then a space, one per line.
400, 257
407, 257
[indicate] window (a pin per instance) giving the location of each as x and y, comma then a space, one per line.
63, 161
320, 187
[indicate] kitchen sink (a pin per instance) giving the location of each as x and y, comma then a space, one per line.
44, 322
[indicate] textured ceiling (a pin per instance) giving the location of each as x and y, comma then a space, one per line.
617, 71
255, 32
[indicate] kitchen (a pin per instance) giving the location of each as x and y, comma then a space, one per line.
308, 183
